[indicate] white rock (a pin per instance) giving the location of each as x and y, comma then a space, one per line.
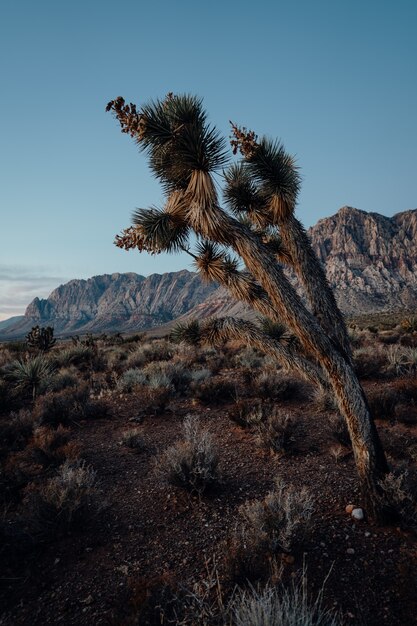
358, 514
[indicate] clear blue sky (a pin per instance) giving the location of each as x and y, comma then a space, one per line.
336, 81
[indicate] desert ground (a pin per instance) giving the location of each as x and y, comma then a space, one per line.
149, 482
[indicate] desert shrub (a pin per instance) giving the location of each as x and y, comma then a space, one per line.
355, 337
406, 413
409, 341
369, 362
167, 374
402, 360
69, 405
407, 388
158, 601
51, 447
5, 356
410, 357
278, 606
192, 462
170, 375
409, 324
65, 501
135, 338
214, 360
339, 430
116, 359
389, 337
31, 374
133, 438
214, 391
67, 377
383, 402
16, 429
8, 400
74, 355
148, 352
323, 401
277, 432
248, 414
130, 379
280, 521
200, 375
153, 400
249, 358
274, 385
17, 347
12, 481
399, 496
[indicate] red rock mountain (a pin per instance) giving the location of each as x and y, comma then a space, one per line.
370, 261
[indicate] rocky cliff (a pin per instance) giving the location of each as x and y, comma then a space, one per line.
370, 262
116, 302
370, 259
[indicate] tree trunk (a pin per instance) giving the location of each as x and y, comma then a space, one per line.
369, 456
214, 224
312, 276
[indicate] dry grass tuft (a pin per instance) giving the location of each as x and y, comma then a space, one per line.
191, 463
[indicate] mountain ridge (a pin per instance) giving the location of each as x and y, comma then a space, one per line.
370, 262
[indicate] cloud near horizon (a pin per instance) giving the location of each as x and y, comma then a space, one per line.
19, 285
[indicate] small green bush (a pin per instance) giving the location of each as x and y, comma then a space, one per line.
130, 379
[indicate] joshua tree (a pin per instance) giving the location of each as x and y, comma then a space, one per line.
41, 338
258, 230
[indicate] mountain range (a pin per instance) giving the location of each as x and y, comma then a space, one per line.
370, 262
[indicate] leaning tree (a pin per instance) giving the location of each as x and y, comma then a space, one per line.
245, 246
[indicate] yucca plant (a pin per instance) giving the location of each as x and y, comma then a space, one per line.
244, 247
409, 324
186, 332
29, 374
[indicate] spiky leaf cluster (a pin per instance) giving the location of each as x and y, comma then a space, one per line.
242, 195
210, 261
161, 231
271, 171
273, 329
176, 135
275, 171
187, 332
30, 373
